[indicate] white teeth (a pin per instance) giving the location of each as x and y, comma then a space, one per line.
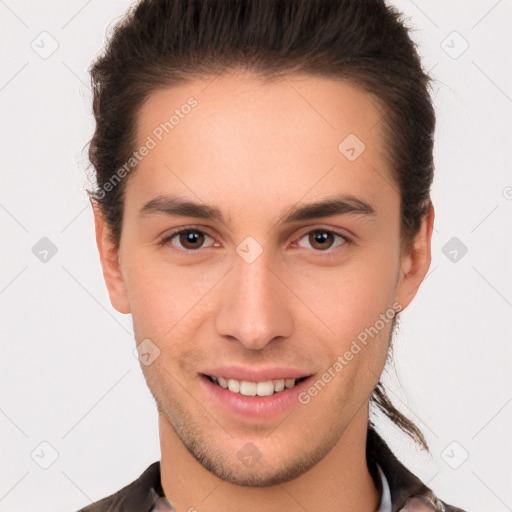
279, 385
247, 388
289, 383
265, 388
234, 385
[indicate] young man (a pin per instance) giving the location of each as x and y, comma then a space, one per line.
262, 211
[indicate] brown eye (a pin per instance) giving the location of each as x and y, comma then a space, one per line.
188, 240
191, 239
322, 239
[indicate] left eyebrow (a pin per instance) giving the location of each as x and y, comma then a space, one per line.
338, 205
327, 207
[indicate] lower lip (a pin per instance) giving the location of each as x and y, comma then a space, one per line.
259, 407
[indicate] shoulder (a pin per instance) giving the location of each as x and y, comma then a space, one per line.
140, 495
427, 503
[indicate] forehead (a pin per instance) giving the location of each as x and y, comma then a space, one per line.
302, 133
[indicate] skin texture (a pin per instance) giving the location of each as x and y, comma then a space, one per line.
254, 150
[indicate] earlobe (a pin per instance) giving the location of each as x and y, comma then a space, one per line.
109, 259
416, 260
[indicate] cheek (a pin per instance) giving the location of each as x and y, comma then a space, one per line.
350, 297
164, 297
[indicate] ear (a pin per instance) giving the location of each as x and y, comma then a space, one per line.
109, 258
415, 261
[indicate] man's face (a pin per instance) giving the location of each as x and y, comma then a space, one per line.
259, 293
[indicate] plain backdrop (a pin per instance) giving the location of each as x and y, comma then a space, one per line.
73, 397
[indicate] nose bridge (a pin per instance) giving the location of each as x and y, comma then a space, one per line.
254, 308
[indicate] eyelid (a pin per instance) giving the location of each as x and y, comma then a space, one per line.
317, 227
168, 236
330, 251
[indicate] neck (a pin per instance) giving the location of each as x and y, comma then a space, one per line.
339, 482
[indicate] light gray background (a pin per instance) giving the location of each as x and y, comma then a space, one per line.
68, 374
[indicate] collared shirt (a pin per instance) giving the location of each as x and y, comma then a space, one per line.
400, 490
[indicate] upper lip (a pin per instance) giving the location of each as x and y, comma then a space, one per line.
256, 374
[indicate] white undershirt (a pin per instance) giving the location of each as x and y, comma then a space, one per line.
385, 502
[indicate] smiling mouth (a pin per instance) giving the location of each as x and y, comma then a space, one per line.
249, 388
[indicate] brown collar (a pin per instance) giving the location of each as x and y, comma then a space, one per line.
408, 492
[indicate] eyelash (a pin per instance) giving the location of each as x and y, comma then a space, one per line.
328, 252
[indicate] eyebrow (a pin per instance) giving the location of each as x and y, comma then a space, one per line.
328, 207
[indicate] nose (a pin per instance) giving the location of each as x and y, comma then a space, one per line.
254, 304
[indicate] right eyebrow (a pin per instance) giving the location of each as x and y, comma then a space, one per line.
174, 205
